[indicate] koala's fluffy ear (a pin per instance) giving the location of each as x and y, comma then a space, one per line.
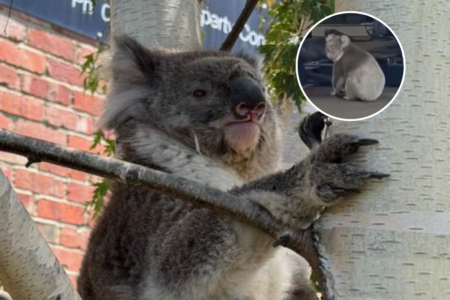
135, 71
345, 40
133, 62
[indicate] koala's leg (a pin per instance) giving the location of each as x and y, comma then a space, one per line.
351, 86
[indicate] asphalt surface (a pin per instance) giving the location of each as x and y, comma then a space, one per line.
346, 109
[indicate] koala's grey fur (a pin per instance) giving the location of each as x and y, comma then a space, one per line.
149, 246
355, 71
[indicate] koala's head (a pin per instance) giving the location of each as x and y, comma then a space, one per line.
335, 45
214, 98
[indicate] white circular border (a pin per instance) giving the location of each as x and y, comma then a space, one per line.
341, 13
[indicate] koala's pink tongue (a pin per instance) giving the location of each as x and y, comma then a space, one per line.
242, 136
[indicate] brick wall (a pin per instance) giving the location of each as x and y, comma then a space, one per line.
41, 96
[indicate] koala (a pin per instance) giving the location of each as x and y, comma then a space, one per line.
355, 71
205, 116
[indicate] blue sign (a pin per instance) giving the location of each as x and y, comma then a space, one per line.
218, 17
80, 16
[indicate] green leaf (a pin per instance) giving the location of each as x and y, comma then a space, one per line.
282, 41
98, 198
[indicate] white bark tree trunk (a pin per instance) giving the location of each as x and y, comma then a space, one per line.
170, 24
393, 241
28, 267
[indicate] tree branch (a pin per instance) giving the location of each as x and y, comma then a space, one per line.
239, 25
201, 196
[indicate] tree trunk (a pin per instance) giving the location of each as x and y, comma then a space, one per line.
393, 241
28, 268
169, 24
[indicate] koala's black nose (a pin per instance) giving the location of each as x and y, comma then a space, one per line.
247, 97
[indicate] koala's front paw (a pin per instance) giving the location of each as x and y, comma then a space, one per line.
331, 180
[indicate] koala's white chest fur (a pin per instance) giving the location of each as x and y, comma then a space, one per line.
262, 273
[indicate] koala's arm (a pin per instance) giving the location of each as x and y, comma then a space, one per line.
298, 195
338, 80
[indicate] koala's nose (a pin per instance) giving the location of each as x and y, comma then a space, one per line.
247, 97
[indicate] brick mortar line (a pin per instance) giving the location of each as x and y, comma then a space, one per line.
71, 87
76, 250
60, 225
68, 132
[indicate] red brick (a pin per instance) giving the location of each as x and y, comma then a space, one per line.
21, 106
60, 94
53, 44
79, 192
8, 76
12, 158
68, 119
73, 238
83, 144
87, 103
42, 88
61, 212
78, 175
27, 201
39, 183
35, 85
53, 169
64, 172
6, 123
39, 131
14, 30
65, 72
70, 259
23, 58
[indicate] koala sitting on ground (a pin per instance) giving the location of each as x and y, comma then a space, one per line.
204, 116
355, 71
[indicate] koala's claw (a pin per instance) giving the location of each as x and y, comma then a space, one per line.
343, 192
367, 142
377, 175
331, 182
339, 146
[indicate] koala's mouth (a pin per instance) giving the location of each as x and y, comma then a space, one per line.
242, 136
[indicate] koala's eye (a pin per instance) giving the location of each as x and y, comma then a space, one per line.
199, 93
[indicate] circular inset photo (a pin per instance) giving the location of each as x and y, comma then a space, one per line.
350, 66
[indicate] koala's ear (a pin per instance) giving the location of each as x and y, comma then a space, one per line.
132, 62
252, 60
329, 37
345, 40
135, 71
